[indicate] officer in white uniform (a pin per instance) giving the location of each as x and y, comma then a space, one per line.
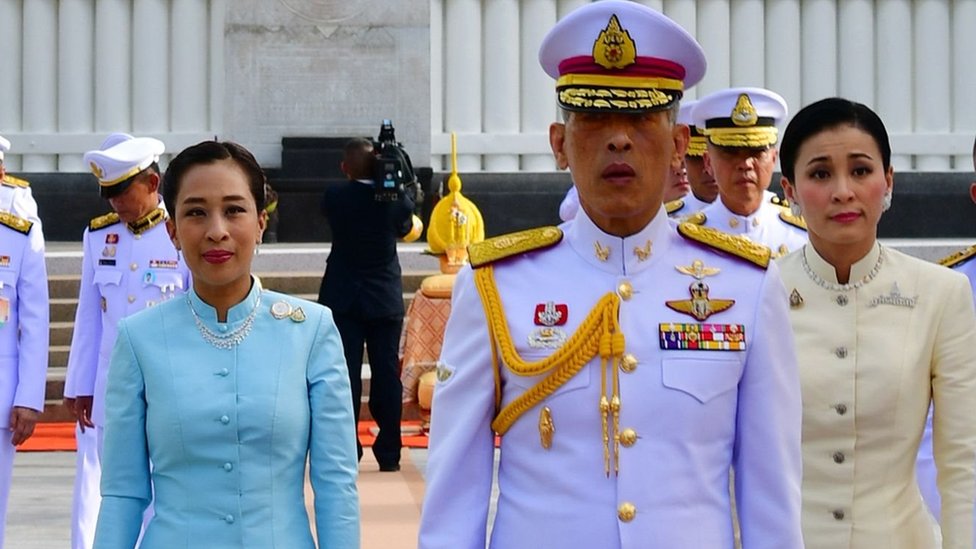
129, 264
740, 124
24, 329
626, 362
15, 193
704, 191
963, 261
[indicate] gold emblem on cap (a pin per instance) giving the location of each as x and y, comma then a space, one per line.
95, 169
744, 114
614, 48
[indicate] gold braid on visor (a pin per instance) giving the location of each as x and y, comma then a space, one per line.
696, 146
622, 93
751, 138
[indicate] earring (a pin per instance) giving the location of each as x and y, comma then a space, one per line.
795, 209
886, 202
257, 248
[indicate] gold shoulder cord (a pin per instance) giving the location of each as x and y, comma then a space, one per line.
598, 333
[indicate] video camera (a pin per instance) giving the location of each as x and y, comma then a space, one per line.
392, 169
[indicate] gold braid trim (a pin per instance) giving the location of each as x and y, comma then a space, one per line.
598, 333
756, 137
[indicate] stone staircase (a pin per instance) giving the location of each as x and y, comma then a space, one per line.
294, 278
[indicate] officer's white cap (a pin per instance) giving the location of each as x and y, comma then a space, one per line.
619, 56
740, 117
113, 140
4, 146
696, 144
115, 165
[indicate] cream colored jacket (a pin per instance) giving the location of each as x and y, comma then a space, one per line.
870, 360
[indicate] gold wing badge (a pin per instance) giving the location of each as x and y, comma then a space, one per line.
699, 306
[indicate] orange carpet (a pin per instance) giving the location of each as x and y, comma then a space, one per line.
60, 437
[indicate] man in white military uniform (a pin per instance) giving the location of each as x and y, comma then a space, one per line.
24, 329
15, 193
626, 362
129, 264
740, 124
704, 191
963, 261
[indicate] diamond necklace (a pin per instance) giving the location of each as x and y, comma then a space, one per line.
228, 340
850, 285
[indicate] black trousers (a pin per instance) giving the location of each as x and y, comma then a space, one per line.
381, 336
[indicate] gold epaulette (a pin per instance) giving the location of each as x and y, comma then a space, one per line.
103, 221
958, 258
18, 224
756, 254
674, 206
791, 219
12, 181
507, 245
697, 218
781, 202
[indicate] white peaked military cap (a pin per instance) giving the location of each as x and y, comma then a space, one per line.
115, 166
740, 117
113, 140
620, 56
4, 146
696, 145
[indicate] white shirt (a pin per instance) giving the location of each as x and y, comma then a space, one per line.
765, 225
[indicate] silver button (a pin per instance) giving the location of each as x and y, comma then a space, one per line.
841, 409
137, 237
224, 419
222, 327
838, 514
838, 457
228, 467
134, 266
842, 300
132, 299
841, 352
229, 519
223, 372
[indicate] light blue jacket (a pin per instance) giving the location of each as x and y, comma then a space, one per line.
228, 431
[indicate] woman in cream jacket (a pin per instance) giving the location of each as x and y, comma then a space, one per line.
879, 335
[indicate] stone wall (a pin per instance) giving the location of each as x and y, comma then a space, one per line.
326, 68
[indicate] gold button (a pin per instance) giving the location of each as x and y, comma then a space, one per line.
625, 291
733, 222
628, 437
628, 363
626, 512
134, 266
132, 299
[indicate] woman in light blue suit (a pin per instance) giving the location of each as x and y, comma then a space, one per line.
227, 391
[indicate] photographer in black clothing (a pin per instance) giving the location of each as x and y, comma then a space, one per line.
362, 285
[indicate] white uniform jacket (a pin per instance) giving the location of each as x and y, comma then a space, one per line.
16, 198
121, 273
925, 467
871, 361
24, 316
765, 226
689, 204
686, 416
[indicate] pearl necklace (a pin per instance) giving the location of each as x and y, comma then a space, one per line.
850, 285
228, 340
